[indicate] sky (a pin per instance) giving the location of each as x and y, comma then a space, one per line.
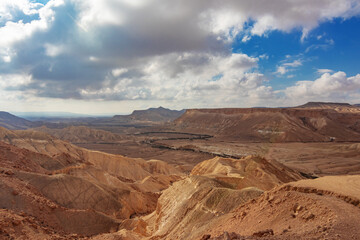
114, 56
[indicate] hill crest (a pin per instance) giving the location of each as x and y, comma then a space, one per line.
13, 122
159, 114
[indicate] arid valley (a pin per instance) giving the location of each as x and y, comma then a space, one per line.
255, 173
179, 120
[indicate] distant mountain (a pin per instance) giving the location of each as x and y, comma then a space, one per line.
338, 107
44, 115
159, 114
10, 121
325, 105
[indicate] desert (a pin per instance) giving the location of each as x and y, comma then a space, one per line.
177, 179
179, 120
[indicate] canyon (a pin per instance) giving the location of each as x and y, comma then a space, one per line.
232, 173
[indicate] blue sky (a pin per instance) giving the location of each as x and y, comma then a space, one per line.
114, 56
333, 45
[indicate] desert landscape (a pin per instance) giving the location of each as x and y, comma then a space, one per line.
179, 120
257, 173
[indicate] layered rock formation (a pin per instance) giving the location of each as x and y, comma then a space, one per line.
274, 124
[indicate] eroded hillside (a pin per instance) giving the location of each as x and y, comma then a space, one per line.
274, 124
95, 190
227, 174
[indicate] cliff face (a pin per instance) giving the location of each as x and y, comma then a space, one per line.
274, 124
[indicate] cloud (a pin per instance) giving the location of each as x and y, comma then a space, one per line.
193, 76
328, 86
295, 63
15, 10
148, 49
246, 38
281, 70
14, 81
324, 70
288, 66
264, 56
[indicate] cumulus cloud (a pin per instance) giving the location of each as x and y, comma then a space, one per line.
328, 86
192, 76
148, 49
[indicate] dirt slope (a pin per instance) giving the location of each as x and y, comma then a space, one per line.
215, 188
324, 208
40, 142
24, 199
73, 190
249, 171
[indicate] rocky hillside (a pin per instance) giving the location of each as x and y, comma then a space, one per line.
324, 208
62, 189
214, 188
273, 124
51, 189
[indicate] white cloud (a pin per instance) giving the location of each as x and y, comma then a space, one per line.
288, 66
14, 80
324, 70
295, 63
7, 7
246, 38
328, 86
7, 58
153, 50
13, 32
264, 56
281, 69
225, 23
118, 71
263, 24
188, 76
